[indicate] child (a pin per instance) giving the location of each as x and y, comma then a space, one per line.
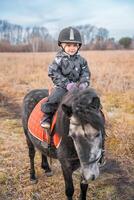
68, 71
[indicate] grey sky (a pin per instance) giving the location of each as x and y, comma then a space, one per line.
116, 16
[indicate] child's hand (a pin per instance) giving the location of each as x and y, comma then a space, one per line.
72, 86
83, 86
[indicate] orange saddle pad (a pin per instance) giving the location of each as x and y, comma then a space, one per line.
35, 128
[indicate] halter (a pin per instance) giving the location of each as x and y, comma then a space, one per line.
95, 160
98, 158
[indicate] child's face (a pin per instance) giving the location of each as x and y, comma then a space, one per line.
70, 48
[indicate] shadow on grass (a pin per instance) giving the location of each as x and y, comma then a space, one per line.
11, 108
122, 182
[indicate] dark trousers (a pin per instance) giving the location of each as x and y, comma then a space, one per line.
54, 99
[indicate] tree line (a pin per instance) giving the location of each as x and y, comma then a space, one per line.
38, 45
15, 38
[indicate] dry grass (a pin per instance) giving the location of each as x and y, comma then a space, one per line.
112, 76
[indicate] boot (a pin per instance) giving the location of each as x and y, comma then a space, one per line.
46, 121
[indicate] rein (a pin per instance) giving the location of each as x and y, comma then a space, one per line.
49, 144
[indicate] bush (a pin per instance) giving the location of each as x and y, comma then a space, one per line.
125, 42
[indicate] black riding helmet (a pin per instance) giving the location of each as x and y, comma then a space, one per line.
70, 35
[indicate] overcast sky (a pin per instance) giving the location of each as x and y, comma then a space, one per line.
115, 15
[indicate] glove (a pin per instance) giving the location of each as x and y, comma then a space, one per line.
83, 86
71, 86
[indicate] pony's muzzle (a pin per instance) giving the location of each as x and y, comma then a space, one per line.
90, 172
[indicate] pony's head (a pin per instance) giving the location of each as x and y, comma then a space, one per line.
85, 128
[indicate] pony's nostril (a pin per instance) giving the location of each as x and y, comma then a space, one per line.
93, 177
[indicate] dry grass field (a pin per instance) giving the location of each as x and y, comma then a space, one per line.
113, 78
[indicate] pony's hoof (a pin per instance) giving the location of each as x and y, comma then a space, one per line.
49, 173
69, 198
34, 181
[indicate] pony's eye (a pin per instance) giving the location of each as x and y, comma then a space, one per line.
97, 135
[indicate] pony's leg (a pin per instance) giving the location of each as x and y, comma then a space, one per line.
45, 166
83, 187
69, 188
33, 178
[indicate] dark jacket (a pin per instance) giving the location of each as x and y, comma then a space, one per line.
66, 69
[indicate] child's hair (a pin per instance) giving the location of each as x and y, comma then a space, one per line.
70, 35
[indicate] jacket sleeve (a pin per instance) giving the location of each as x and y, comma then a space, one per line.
85, 72
56, 75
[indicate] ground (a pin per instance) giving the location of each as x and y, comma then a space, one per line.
112, 77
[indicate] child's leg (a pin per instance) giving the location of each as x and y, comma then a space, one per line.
50, 107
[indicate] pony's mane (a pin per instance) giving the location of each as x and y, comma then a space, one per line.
80, 102
85, 110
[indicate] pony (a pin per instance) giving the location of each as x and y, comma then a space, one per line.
80, 126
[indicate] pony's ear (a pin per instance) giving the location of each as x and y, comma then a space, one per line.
95, 103
67, 110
